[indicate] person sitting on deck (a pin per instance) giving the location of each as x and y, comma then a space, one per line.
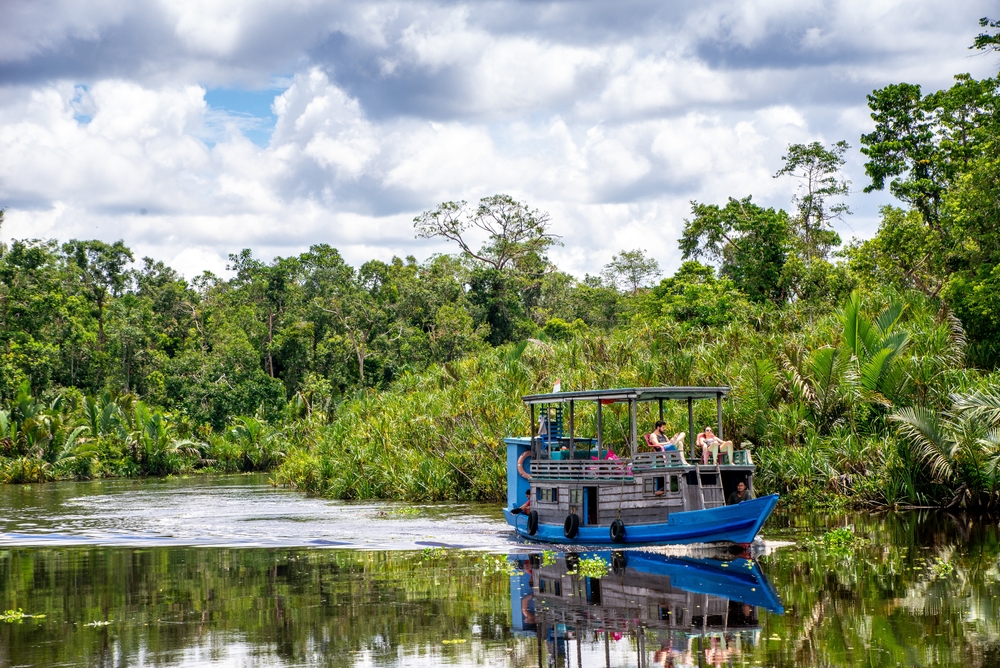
709, 442
741, 494
525, 507
657, 440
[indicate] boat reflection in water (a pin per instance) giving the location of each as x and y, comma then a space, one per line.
649, 610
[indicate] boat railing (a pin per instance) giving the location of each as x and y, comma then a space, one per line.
658, 460
618, 469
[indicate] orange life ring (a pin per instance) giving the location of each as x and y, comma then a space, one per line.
520, 465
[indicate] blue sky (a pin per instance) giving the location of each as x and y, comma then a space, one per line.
192, 129
253, 105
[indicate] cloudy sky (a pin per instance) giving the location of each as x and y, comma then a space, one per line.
194, 128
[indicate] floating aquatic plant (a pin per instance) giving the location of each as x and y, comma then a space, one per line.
430, 553
497, 563
591, 567
17, 616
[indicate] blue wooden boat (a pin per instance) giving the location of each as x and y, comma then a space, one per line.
580, 496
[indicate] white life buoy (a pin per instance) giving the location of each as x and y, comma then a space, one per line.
520, 465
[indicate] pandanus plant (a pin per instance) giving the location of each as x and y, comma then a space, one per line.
877, 346
959, 447
37, 436
104, 416
151, 439
260, 444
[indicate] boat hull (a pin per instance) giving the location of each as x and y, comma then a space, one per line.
739, 523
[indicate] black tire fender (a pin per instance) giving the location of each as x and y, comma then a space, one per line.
572, 526
617, 531
532, 522
618, 562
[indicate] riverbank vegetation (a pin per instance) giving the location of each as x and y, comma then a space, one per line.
864, 373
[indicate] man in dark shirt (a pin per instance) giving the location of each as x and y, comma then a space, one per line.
657, 440
740, 495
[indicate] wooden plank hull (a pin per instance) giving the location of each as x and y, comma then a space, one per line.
734, 524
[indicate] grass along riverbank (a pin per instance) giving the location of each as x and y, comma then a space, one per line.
870, 405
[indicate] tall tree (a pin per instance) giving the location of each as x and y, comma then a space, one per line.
750, 242
632, 268
361, 304
922, 144
985, 41
102, 268
818, 171
506, 271
513, 229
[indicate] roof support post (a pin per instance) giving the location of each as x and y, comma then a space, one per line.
691, 426
661, 410
572, 447
634, 433
534, 431
600, 430
718, 411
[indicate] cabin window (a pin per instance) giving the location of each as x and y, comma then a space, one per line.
675, 615
653, 485
576, 496
547, 494
675, 485
550, 587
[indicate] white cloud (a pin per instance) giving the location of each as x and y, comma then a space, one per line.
30, 27
611, 122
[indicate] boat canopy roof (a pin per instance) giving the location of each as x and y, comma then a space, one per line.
630, 393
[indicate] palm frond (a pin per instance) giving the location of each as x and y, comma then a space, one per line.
889, 318
981, 405
875, 369
799, 383
928, 435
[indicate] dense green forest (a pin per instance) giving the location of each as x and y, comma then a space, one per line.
863, 371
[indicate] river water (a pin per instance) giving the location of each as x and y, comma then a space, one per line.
229, 571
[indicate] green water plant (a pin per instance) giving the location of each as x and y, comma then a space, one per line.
591, 567
497, 563
941, 568
841, 542
18, 616
433, 553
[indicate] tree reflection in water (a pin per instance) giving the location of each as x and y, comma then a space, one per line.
922, 590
